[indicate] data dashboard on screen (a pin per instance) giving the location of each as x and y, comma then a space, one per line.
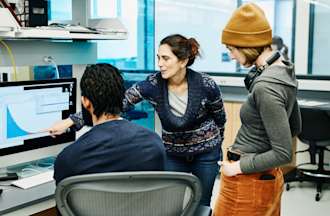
29, 108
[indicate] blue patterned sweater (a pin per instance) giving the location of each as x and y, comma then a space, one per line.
199, 130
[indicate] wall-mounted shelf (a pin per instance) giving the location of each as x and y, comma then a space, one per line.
102, 29
37, 33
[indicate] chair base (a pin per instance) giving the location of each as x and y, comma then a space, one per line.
320, 177
203, 211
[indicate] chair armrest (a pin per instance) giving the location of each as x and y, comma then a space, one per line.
203, 211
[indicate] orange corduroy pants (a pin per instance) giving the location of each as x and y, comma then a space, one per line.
248, 195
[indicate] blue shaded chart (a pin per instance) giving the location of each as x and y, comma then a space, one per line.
26, 114
13, 129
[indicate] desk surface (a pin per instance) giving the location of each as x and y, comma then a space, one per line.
14, 198
315, 104
303, 102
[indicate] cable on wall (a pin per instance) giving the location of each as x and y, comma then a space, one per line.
49, 60
12, 59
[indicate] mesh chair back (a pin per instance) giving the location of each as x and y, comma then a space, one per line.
315, 125
129, 194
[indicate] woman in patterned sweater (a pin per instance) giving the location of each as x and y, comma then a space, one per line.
190, 108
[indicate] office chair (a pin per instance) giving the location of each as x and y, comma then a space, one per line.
315, 133
151, 193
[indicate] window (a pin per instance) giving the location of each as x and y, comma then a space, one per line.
148, 21
319, 44
58, 11
202, 20
280, 16
104, 9
137, 51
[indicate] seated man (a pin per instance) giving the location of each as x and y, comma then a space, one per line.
113, 144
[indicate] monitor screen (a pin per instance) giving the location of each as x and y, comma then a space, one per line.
28, 108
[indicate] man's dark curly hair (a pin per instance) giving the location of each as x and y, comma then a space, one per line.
103, 85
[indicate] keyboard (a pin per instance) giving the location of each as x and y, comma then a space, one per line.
32, 181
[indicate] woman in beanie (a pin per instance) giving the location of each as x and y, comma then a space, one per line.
190, 108
251, 180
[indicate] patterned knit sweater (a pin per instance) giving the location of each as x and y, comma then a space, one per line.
200, 129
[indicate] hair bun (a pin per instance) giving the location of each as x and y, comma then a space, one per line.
194, 47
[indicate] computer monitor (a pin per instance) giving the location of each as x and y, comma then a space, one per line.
27, 108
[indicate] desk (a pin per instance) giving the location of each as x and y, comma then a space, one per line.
315, 133
18, 202
315, 104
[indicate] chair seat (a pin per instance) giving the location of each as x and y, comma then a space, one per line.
323, 143
316, 173
307, 175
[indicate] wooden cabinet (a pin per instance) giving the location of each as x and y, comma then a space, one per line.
47, 212
232, 126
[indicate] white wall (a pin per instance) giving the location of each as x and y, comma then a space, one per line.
321, 41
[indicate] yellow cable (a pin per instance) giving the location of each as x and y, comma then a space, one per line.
1, 56
10, 53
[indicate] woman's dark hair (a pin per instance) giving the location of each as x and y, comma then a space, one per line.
103, 85
278, 42
182, 47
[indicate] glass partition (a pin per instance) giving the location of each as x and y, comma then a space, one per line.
60, 10
205, 20
135, 53
148, 21
202, 20
137, 16
319, 42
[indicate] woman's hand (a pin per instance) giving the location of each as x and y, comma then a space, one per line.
230, 168
60, 127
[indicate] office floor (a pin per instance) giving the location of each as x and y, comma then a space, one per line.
300, 200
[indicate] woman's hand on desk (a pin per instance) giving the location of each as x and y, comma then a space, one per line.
60, 127
230, 168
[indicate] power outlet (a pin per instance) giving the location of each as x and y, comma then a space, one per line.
5, 74
4, 77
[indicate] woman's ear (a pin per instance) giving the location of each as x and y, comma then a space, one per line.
184, 63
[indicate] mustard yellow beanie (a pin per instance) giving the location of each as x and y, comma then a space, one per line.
248, 27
